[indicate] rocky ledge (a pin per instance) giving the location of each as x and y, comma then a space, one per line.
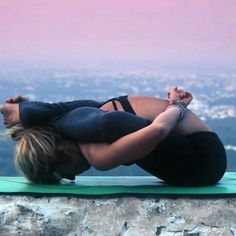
121, 216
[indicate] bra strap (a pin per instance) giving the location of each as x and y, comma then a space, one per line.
126, 104
114, 104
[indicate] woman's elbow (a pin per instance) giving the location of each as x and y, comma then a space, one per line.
99, 164
101, 167
100, 157
161, 131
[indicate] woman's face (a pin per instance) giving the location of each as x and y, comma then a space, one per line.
73, 162
67, 146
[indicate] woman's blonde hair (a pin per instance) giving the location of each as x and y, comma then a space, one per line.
35, 152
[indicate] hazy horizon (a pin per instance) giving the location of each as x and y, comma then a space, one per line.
121, 34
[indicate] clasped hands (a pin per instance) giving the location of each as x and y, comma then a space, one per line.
179, 95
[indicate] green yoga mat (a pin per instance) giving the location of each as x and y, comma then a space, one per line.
106, 185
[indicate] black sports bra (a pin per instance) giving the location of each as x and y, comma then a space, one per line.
124, 103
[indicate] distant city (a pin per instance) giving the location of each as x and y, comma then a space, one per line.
214, 98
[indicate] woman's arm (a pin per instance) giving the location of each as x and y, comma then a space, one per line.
140, 143
34, 113
19, 109
133, 146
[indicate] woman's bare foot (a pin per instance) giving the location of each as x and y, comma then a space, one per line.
10, 112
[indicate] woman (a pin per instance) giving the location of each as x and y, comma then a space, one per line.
179, 151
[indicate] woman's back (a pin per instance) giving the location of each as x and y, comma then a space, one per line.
150, 107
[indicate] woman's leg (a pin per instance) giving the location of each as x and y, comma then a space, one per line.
195, 160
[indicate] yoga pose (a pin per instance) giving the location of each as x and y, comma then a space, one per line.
161, 136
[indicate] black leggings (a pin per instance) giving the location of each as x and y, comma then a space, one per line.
194, 160
197, 159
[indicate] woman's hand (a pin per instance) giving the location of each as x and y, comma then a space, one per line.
16, 99
10, 112
175, 94
186, 98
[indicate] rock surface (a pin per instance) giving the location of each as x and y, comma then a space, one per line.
121, 216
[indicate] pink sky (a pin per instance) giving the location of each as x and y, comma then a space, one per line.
158, 31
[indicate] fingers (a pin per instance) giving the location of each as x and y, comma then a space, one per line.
172, 90
16, 99
176, 93
175, 89
189, 94
186, 95
11, 99
179, 91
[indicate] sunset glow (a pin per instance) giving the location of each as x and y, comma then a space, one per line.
180, 31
